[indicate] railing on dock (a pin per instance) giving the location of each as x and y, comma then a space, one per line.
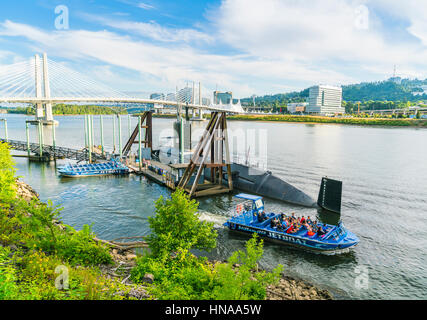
54, 151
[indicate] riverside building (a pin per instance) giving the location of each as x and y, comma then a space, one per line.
325, 100
298, 107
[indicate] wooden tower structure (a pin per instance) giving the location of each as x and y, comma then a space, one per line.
147, 124
209, 154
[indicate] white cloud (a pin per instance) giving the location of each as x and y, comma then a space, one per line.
152, 30
277, 45
165, 65
316, 33
141, 5
145, 6
413, 11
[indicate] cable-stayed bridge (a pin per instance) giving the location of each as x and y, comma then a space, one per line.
43, 82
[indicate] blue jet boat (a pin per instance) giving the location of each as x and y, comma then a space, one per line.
336, 238
93, 169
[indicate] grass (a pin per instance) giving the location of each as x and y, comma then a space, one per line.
318, 119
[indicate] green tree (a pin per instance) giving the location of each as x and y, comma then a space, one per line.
176, 227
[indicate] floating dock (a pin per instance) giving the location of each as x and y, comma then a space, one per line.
170, 175
208, 155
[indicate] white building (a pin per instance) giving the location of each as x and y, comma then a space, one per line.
325, 100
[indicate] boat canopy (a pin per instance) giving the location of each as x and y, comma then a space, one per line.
248, 196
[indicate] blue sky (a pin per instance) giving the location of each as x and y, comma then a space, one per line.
246, 46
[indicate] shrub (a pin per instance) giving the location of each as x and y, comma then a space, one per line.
40, 231
7, 176
78, 247
8, 287
186, 278
176, 227
37, 280
237, 279
192, 278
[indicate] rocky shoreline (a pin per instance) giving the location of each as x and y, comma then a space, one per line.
125, 259
293, 289
25, 191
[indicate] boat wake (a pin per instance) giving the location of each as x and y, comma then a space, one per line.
218, 220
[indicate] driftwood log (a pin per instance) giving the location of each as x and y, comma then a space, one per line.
124, 245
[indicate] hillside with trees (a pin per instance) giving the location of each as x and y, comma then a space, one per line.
406, 90
379, 95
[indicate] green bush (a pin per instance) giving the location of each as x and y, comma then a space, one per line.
7, 176
184, 278
176, 227
8, 287
35, 279
78, 247
236, 280
187, 277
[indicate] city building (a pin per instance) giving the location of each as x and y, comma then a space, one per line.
224, 97
206, 101
297, 107
157, 96
171, 97
325, 100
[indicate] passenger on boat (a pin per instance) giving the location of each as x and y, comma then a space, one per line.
320, 231
273, 223
285, 223
279, 225
302, 220
261, 216
306, 225
310, 232
296, 228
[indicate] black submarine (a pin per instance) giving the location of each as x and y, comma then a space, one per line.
266, 184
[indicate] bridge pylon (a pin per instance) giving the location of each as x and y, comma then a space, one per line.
43, 111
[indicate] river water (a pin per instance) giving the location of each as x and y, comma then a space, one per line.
384, 174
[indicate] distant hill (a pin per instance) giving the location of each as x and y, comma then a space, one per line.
400, 90
396, 91
277, 100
